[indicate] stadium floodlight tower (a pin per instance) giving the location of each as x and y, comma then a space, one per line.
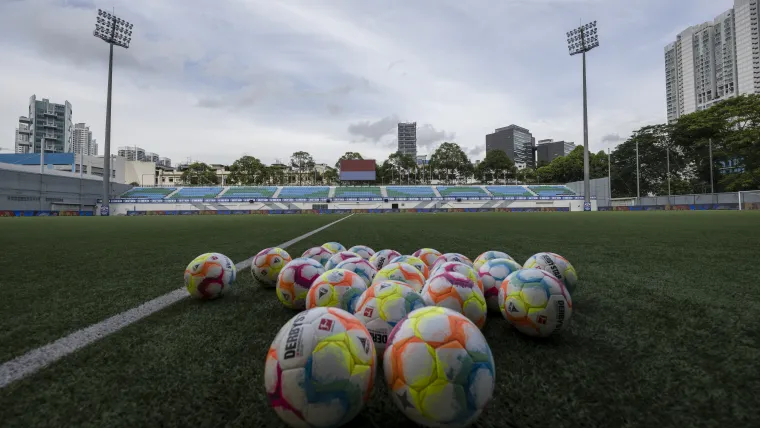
114, 31
580, 41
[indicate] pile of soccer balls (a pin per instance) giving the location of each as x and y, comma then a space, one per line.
420, 313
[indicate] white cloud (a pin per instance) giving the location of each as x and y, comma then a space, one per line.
213, 80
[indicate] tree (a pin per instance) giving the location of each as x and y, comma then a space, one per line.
302, 162
199, 173
247, 171
396, 166
134, 184
348, 156
451, 160
495, 164
330, 176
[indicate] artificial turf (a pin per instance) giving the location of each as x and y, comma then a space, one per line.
66, 273
665, 328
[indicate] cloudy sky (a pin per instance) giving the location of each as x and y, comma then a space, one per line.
213, 80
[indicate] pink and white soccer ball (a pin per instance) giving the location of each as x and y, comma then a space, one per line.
383, 257
320, 254
363, 251
492, 273
339, 257
361, 267
460, 268
451, 257
294, 282
457, 292
489, 255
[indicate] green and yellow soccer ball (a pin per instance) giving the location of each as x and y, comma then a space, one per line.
535, 302
555, 264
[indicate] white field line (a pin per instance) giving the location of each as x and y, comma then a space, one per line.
36, 359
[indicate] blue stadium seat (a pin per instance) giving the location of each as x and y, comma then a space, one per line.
197, 193
357, 192
306, 192
551, 190
410, 191
250, 192
460, 191
509, 191
148, 192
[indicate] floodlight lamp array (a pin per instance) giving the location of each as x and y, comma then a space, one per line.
113, 29
583, 38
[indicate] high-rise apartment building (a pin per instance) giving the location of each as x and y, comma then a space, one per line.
517, 142
713, 61
132, 153
164, 162
84, 144
407, 138
548, 150
47, 126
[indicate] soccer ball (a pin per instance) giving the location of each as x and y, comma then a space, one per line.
294, 281
535, 302
403, 272
414, 261
427, 255
457, 292
439, 369
320, 369
320, 254
489, 255
267, 264
451, 257
556, 265
339, 257
338, 288
459, 267
492, 273
361, 267
383, 257
363, 251
383, 305
209, 275
334, 247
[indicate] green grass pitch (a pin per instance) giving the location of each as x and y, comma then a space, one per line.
665, 330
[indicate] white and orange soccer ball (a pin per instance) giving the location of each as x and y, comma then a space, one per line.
363, 251
382, 258
427, 255
320, 369
267, 264
439, 368
492, 273
459, 267
339, 257
334, 247
414, 261
383, 305
556, 265
457, 292
361, 267
294, 281
209, 276
535, 302
489, 255
337, 288
403, 272
320, 254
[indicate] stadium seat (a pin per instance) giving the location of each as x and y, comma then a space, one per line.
410, 192
509, 191
306, 192
148, 192
250, 192
358, 192
197, 193
551, 190
460, 191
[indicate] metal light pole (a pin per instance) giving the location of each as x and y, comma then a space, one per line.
114, 31
638, 175
609, 172
712, 181
580, 41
